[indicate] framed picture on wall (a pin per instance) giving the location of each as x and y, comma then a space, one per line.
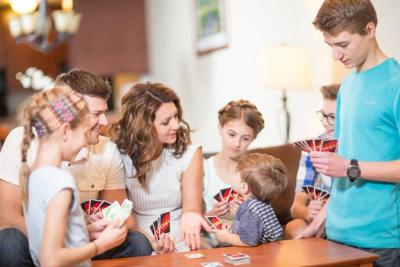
211, 26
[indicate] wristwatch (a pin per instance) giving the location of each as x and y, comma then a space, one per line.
353, 170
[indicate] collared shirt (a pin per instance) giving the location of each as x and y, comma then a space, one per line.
96, 168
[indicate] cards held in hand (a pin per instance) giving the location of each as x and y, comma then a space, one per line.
237, 258
161, 225
214, 222
317, 144
315, 193
94, 206
227, 195
116, 211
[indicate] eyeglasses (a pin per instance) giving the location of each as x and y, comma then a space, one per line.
330, 118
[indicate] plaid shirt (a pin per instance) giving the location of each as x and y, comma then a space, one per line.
307, 175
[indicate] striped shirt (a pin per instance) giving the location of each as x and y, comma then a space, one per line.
164, 188
256, 223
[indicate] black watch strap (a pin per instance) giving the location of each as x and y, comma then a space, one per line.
353, 171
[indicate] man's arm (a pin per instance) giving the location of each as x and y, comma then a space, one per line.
333, 165
10, 207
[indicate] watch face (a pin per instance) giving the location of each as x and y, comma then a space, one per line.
353, 172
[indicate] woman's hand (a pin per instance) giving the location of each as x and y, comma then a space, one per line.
191, 223
164, 245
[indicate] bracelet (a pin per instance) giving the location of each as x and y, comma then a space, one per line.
95, 249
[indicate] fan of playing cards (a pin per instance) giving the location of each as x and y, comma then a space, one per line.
214, 222
110, 211
161, 225
315, 193
317, 144
93, 206
227, 195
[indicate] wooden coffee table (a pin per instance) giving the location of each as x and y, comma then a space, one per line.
305, 252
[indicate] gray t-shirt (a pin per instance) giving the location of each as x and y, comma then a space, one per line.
44, 184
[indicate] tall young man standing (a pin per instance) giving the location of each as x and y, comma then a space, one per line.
364, 209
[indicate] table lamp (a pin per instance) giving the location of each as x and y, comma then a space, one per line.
286, 67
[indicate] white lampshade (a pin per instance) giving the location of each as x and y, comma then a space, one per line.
286, 67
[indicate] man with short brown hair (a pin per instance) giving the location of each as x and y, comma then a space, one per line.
364, 209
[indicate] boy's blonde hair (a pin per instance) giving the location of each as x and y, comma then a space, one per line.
265, 175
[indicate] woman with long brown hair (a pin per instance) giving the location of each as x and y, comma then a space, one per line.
163, 168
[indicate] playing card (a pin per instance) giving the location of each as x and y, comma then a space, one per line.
94, 206
329, 145
324, 195
226, 193
318, 144
235, 194
302, 146
195, 256
103, 205
317, 193
218, 197
165, 221
211, 264
236, 256
86, 206
181, 246
155, 230
111, 213
214, 221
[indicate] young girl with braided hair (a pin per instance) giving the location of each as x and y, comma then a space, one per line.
239, 124
58, 119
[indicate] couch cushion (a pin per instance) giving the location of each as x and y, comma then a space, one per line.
290, 156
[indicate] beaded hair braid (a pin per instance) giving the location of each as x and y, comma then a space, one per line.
58, 112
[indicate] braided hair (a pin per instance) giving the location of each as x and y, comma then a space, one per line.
44, 114
242, 110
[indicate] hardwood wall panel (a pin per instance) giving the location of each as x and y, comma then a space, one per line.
111, 38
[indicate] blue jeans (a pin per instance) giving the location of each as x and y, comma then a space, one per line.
389, 257
14, 248
135, 244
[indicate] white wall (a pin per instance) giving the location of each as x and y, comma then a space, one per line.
206, 83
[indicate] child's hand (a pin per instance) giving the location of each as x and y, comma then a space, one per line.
95, 217
234, 205
221, 208
164, 245
314, 208
111, 237
96, 228
222, 235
